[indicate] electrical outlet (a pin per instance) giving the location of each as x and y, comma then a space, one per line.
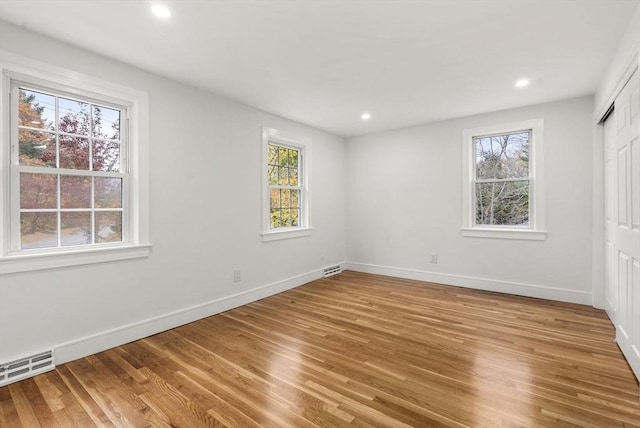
236, 275
433, 258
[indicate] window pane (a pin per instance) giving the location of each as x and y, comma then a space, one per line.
293, 177
36, 110
283, 155
295, 198
108, 192
283, 176
37, 148
108, 226
38, 191
293, 158
274, 217
285, 198
502, 156
285, 217
74, 117
106, 155
74, 152
275, 198
273, 155
295, 216
75, 228
106, 122
502, 203
38, 230
273, 174
282, 217
75, 192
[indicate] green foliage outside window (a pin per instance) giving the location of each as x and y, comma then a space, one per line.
283, 168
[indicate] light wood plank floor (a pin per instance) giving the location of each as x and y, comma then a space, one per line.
352, 350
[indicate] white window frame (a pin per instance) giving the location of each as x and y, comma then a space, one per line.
536, 228
303, 144
135, 243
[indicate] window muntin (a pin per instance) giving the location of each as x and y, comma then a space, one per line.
68, 178
502, 180
285, 185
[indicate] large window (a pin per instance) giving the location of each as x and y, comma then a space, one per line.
74, 170
286, 196
503, 181
69, 172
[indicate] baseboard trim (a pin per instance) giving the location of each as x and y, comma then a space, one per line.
89, 345
507, 287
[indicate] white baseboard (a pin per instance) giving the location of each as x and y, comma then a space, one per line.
507, 287
89, 345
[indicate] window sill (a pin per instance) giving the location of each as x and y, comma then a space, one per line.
285, 234
525, 234
40, 261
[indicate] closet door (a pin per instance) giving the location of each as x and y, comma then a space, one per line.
622, 213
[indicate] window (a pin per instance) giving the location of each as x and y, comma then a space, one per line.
503, 182
285, 194
69, 173
69, 157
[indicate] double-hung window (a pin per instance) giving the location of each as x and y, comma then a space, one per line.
69, 170
74, 171
285, 187
503, 183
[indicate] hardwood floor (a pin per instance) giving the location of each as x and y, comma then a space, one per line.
352, 350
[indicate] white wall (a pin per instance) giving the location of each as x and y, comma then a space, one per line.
205, 222
622, 61
404, 202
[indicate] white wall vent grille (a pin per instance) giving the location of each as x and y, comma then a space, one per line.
14, 371
333, 270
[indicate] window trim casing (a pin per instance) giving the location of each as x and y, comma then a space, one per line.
304, 145
536, 229
17, 68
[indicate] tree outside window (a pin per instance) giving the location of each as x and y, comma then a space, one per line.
284, 186
70, 181
502, 179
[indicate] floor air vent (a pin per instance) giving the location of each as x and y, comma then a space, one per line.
14, 371
331, 271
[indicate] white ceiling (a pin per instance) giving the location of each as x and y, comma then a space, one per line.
324, 62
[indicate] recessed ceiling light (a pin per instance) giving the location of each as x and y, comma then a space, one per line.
522, 83
161, 11
365, 116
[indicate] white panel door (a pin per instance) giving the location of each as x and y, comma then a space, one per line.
622, 220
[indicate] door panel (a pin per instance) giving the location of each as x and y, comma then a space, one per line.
611, 292
623, 291
635, 185
622, 187
635, 299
